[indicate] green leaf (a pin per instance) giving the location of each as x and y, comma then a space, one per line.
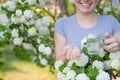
77, 69
95, 57
62, 67
92, 72
7, 35
22, 53
2, 28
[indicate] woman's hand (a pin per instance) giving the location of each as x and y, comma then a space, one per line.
111, 43
71, 52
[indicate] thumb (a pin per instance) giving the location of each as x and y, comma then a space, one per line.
107, 35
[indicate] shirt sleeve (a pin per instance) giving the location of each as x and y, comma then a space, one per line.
116, 25
59, 27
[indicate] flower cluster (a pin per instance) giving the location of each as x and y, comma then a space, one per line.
90, 67
23, 24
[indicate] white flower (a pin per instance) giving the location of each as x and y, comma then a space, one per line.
115, 64
71, 75
22, 19
66, 69
4, 20
44, 31
41, 48
28, 46
15, 0
46, 21
32, 31
11, 5
106, 10
28, 14
118, 78
47, 51
18, 41
41, 3
14, 33
107, 64
72, 1
115, 55
30, 22
84, 40
82, 60
4, 5
43, 61
31, 2
70, 63
18, 12
15, 20
58, 64
38, 40
1, 35
98, 64
82, 76
102, 54
60, 76
103, 76
38, 23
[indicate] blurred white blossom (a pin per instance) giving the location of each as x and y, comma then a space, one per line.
15, 33
82, 76
60, 76
18, 41
4, 20
32, 31
28, 46
11, 5
47, 51
44, 31
18, 12
31, 2
98, 64
82, 60
28, 14
41, 48
58, 64
43, 61
103, 76
71, 75
115, 64
41, 3
46, 21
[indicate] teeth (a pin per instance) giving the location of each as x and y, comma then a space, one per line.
85, 4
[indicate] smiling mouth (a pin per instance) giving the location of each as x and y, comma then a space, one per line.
85, 4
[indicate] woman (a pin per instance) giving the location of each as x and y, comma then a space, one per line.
70, 31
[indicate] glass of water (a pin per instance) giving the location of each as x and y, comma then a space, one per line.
94, 44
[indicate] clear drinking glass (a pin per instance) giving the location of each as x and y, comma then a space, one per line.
94, 44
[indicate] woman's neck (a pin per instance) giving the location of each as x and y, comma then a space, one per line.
85, 16
87, 20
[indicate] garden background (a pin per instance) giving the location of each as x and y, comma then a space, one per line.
26, 35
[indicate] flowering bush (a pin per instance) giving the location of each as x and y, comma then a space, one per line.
23, 24
90, 67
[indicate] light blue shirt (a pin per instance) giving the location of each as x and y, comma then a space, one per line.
74, 33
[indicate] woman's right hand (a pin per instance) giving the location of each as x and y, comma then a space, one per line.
71, 52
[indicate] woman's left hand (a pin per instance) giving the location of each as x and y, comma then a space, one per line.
111, 43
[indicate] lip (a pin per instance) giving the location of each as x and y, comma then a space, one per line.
85, 3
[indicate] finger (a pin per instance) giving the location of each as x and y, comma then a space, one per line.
111, 46
66, 48
69, 52
110, 40
107, 35
113, 50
